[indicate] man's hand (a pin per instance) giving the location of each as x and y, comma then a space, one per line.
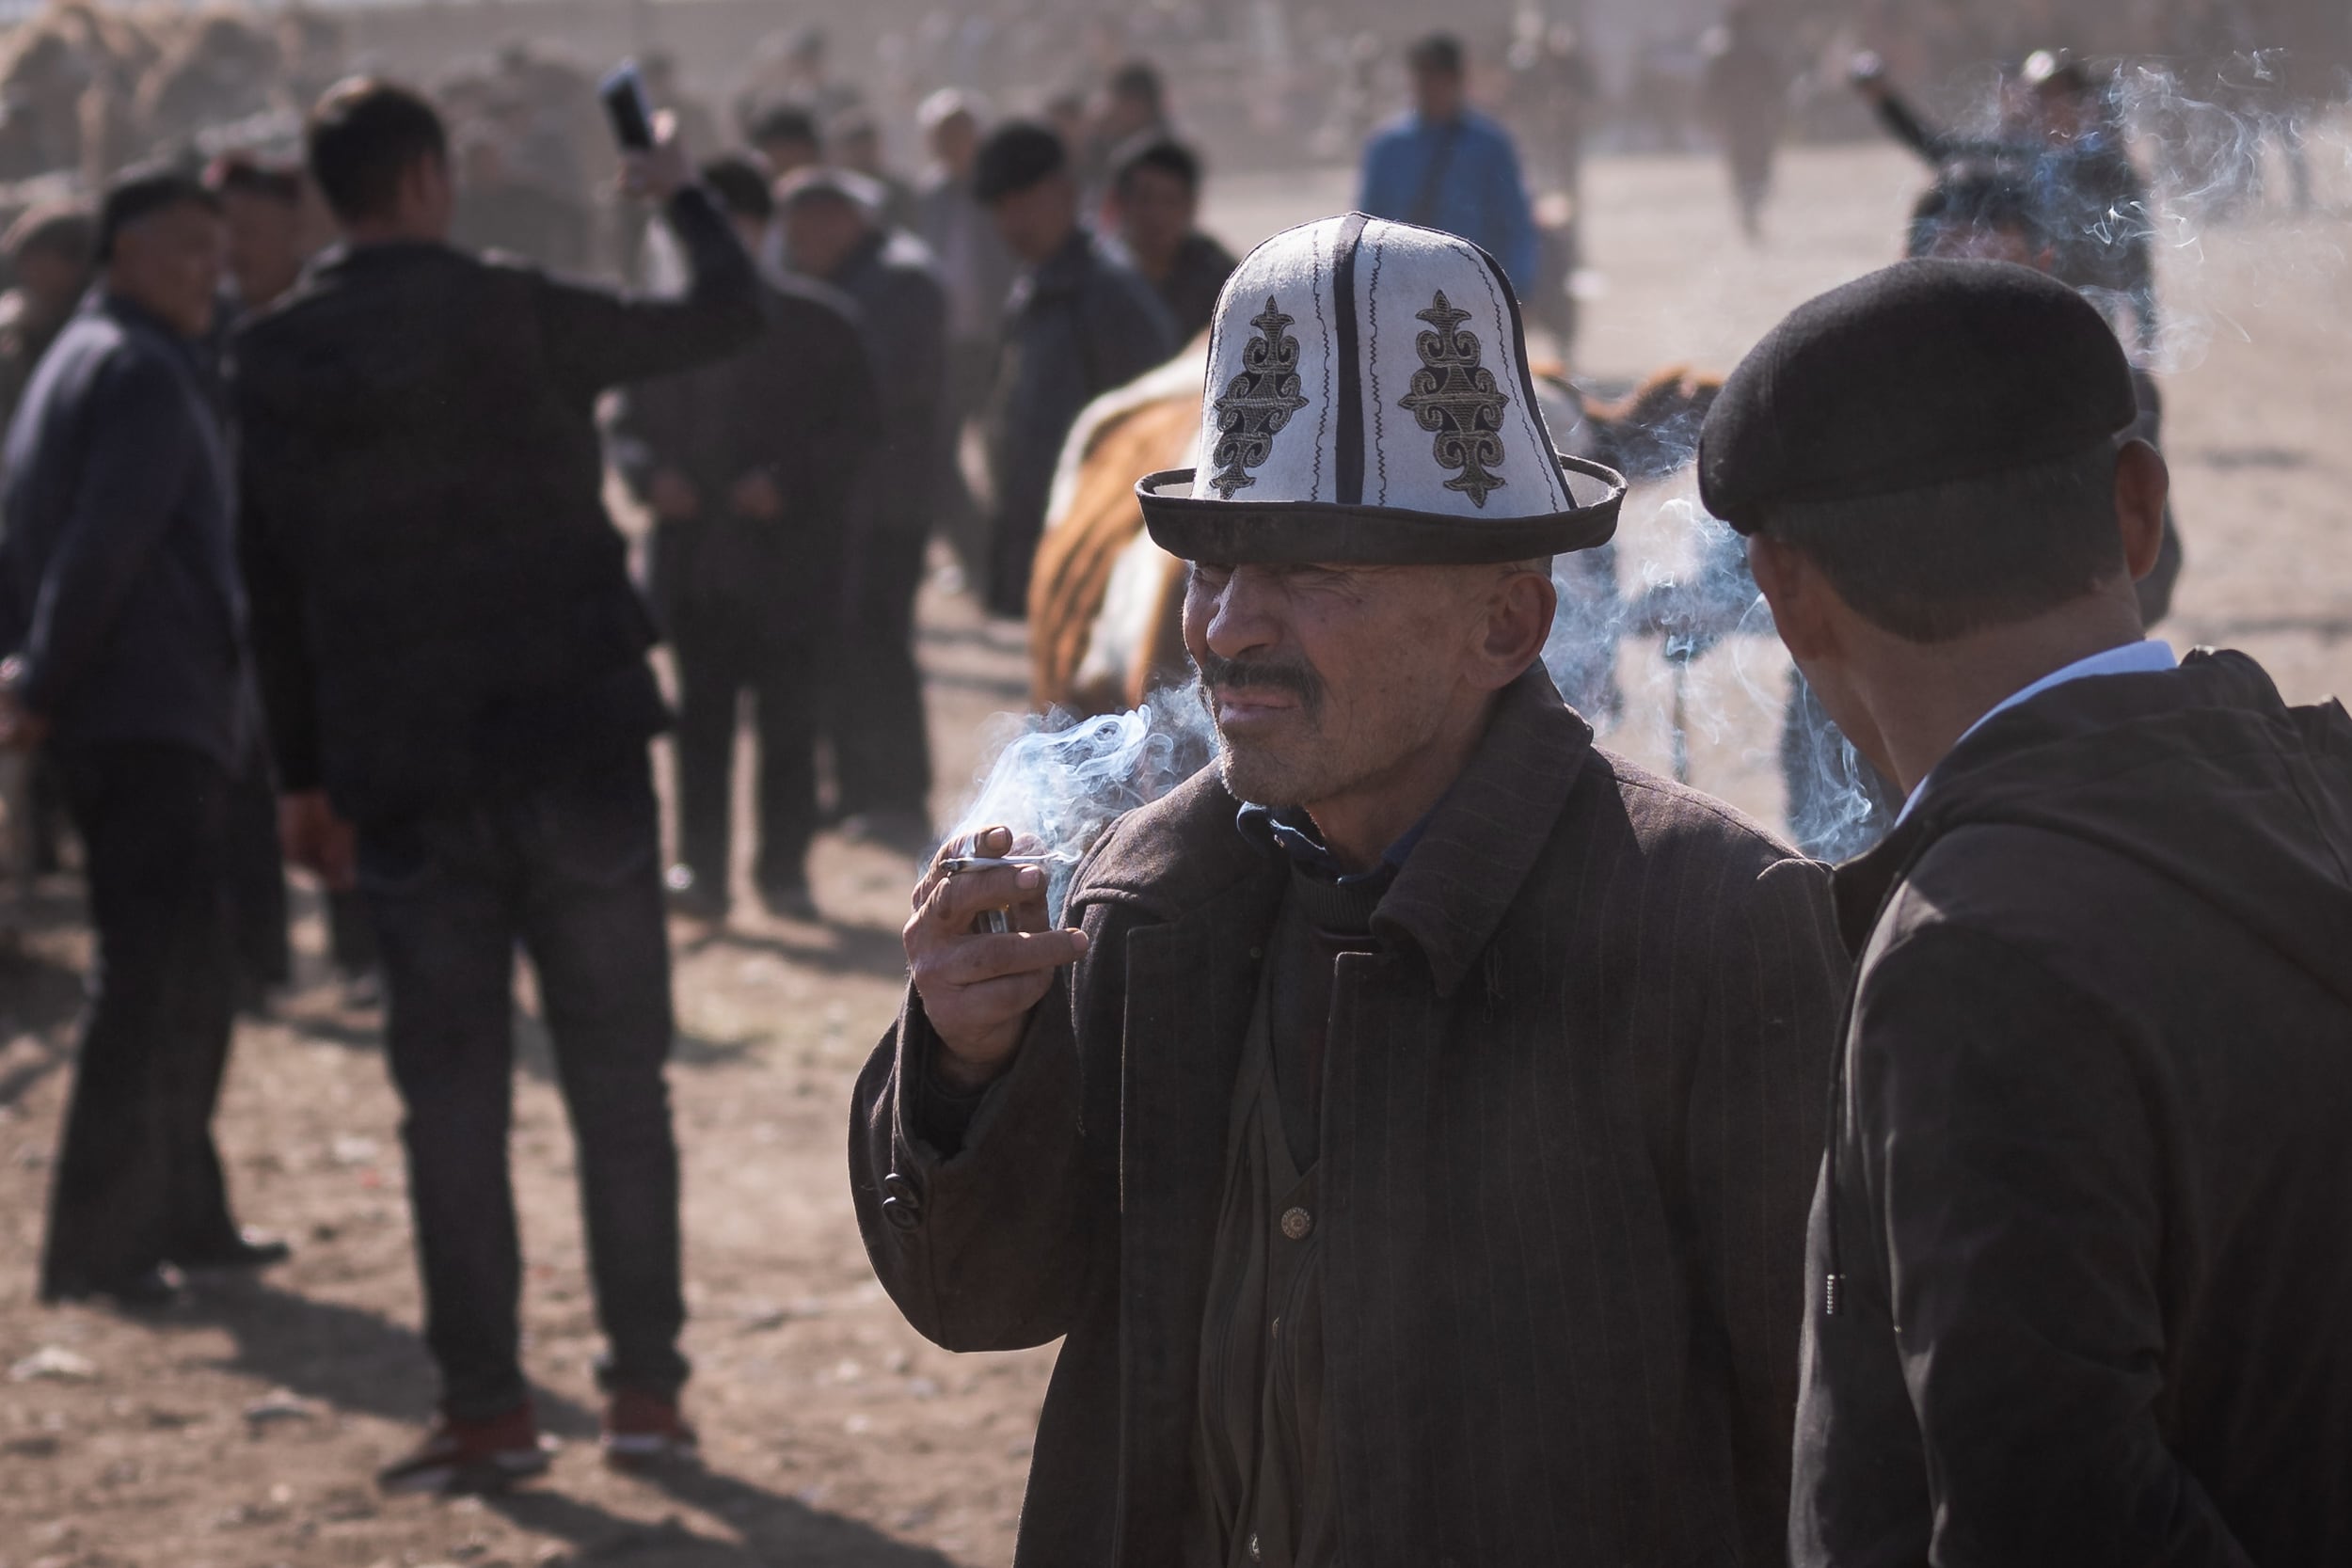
314, 838
977, 986
1867, 75
661, 171
755, 496
672, 496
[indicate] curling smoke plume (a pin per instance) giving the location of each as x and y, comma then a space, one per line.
1058, 783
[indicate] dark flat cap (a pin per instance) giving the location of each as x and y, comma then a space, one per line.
1924, 373
1017, 156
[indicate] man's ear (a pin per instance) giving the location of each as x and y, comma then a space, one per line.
1801, 599
2143, 483
1518, 623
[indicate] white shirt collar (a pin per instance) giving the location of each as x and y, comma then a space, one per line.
2146, 657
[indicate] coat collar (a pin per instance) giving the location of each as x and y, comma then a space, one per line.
1484, 838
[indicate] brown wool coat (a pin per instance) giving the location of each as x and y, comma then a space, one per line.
1572, 1113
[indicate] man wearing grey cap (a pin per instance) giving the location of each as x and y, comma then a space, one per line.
2078, 1285
1414, 1150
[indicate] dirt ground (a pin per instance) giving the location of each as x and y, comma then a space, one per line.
241, 1432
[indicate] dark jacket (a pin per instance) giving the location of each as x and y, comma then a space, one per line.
118, 568
2094, 1116
799, 404
1567, 1138
903, 311
1190, 288
1075, 326
441, 604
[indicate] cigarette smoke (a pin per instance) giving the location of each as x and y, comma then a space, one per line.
1059, 783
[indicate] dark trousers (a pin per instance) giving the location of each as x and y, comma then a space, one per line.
882, 745
572, 873
257, 880
137, 1181
717, 665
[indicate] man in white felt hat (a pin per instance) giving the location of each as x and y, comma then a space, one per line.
1411, 1133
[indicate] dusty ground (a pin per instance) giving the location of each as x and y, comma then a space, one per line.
240, 1432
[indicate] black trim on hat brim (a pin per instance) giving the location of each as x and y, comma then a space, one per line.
1237, 532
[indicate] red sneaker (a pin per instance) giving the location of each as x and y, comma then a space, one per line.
471, 1456
642, 1431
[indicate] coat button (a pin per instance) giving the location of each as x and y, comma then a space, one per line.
1255, 1554
902, 1202
1296, 1223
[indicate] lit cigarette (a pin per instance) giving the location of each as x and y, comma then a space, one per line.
990, 863
998, 922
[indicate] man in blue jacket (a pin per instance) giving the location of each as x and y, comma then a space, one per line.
120, 607
1445, 165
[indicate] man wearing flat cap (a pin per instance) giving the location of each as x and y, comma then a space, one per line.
2077, 1280
1411, 1132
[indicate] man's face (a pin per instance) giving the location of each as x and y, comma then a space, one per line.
820, 232
1127, 114
1436, 92
955, 141
170, 262
788, 153
1036, 222
265, 244
1324, 680
1155, 213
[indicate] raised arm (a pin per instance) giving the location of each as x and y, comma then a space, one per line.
600, 337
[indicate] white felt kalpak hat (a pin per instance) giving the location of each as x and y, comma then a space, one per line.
1368, 402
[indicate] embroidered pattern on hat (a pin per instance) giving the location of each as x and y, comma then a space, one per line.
1258, 402
1455, 398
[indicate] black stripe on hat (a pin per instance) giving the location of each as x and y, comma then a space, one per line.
1527, 371
1351, 398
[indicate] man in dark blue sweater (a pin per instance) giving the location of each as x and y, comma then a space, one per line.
123, 620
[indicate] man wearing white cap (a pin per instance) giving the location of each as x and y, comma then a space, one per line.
1411, 1133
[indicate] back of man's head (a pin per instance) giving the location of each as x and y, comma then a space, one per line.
1940, 439
1018, 155
741, 187
789, 133
1436, 54
364, 138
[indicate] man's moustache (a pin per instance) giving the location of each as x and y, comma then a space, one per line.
1295, 677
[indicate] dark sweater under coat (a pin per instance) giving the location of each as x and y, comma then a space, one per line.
1570, 1117
2092, 1178
441, 606
118, 582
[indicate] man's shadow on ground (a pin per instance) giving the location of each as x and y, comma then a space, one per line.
357, 1361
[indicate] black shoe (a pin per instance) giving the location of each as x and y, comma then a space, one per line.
696, 897
239, 1249
150, 1290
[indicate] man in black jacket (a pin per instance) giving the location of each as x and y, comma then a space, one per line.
1078, 323
125, 626
882, 747
454, 662
2079, 1285
749, 466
